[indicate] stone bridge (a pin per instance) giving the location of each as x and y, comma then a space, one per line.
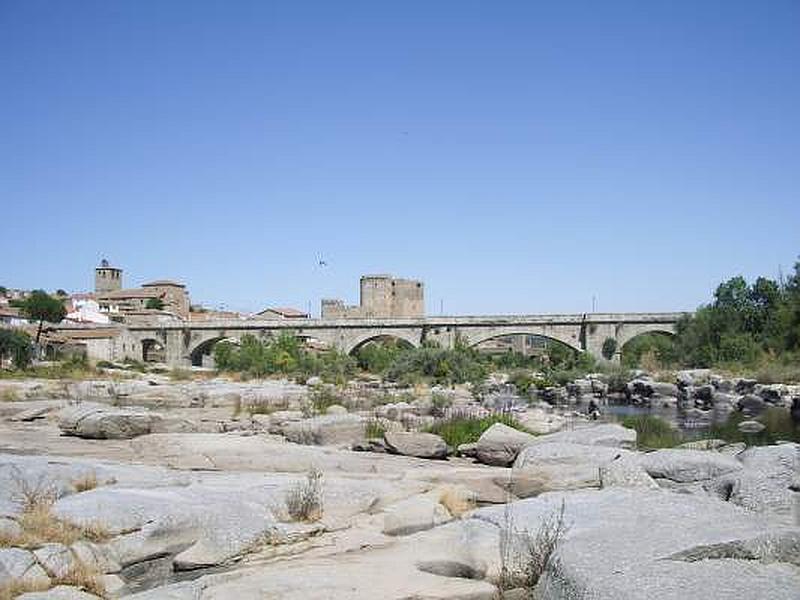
185, 343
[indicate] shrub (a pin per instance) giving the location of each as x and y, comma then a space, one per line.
9, 395
522, 380
374, 429
525, 555
609, 348
323, 397
461, 429
86, 482
652, 431
304, 499
440, 403
177, 374
16, 345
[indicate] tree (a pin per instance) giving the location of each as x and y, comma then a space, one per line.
3, 290
61, 293
609, 348
154, 303
41, 306
17, 345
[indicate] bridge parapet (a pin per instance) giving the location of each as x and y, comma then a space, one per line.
584, 332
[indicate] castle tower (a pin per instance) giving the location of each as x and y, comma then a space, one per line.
107, 278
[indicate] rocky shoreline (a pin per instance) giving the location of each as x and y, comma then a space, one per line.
162, 489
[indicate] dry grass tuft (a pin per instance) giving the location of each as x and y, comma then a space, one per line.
16, 587
525, 555
84, 483
80, 576
38, 524
457, 500
84, 577
304, 499
9, 395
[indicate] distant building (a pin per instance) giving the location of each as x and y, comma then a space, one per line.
120, 304
172, 294
107, 278
282, 313
11, 317
382, 296
83, 308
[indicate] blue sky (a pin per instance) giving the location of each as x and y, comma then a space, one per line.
518, 157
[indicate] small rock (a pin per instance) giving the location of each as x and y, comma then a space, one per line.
468, 450
751, 427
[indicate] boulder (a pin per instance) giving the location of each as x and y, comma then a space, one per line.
765, 485
684, 466
421, 445
772, 394
634, 543
625, 471
606, 434
326, 430
413, 515
97, 421
745, 386
500, 444
752, 404
539, 422
16, 563
751, 427
560, 466
57, 559
467, 450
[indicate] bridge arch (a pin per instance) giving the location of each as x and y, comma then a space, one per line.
206, 348
479, 338
153, 350
630, 333
407, 340
359, 341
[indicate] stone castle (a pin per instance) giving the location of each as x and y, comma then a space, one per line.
382, 297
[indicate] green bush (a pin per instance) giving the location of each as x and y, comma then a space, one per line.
374, 429
460, 429
17, 346
438, 365
283, 355
609, 348
660, 345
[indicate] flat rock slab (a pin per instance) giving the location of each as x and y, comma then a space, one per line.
560, 466
685, 466
606, 434
326, 430
445, 563
638, 544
